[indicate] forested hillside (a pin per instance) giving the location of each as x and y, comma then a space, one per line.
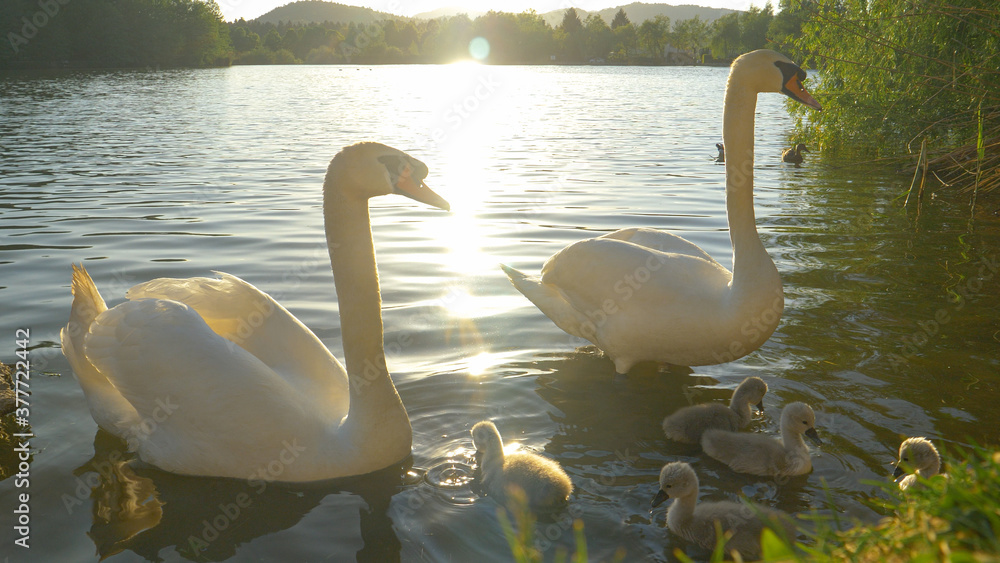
317, 11
637, 12
112, 33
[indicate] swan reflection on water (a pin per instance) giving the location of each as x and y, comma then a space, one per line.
145, 510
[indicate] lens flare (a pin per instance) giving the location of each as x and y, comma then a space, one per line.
479, 48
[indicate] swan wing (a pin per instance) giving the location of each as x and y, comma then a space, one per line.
252, 319
659, 240
206, 406
745, 452
689, 423
622, 279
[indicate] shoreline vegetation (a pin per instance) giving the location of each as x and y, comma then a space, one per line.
901, 79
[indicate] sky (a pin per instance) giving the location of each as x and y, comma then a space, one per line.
249, 9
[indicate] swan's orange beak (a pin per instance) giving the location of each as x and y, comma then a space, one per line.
797, 91
417, 190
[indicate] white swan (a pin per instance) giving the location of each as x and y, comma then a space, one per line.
696, 522
919, 456
642, 294
756, 454
543, 481
689, 423
213, 377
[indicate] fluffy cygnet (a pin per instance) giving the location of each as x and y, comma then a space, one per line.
761, 455
687, 424
696, 522
542, 480
920, 456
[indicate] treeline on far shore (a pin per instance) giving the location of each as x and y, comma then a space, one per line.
112, 34
191, 33
524, 38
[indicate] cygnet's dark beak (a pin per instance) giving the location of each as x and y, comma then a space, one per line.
661, 496
812, 435
899, 471
478, 456
760, 406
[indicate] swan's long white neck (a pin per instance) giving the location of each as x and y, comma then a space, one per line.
374, 403
751, 263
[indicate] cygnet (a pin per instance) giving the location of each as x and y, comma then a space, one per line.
689, 423
543, 481
696, 522
919, 456
761, 455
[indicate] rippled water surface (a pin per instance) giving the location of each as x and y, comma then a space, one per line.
891, 323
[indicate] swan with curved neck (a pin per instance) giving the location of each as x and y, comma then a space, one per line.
213, 377
642, 294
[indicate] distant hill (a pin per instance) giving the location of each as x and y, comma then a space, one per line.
316, 11
448, 12
638, 12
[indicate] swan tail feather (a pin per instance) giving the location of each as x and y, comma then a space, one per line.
87, 304
109, 409
551, 301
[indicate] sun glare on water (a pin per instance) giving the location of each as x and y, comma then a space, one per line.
465, 123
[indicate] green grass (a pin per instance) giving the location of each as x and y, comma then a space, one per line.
954, 518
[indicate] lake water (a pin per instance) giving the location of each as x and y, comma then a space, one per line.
891, 326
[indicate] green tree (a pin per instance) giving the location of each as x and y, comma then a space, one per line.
626, 43
113, 33
691, 35
754, 24
501, 30
243, 39
571, 22
403, 35
621, 19
273, 40
536, 37
571, 36
726, 41
786, 27
598, 37
653, 36
289, 41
